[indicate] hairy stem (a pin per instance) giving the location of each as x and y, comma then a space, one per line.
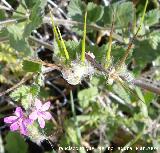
24, 79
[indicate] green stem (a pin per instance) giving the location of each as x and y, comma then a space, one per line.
108, 53
54, 29
142, 18
75, 119
122, 61
84, 38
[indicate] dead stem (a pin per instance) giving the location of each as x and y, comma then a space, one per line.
24, 79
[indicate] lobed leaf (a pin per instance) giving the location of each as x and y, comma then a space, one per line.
20, 93
143, 53
17, 41
94, 12
35, 18
30, 66
76, 9
87, 95
119, 10
152, 17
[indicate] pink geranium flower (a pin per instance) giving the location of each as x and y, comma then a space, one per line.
40, 112
18, 122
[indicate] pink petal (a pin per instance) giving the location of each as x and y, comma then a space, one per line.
46, 115
46, 106
41, 122
23, 129
28, 122
14, 126
10, 119
38, 103
19, 112
33, 115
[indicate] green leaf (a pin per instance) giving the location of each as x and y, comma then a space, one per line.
2, 15
143, 53
30, 66
76, 9
143, 106
35, 17
24, 94
99, 52
152, 17
121, 92
149, 97
17, 41
39, 80
3, 32
123, 12
87, 95
154, 39
21, 9
26, 101
73, 48
20, 93
34, 89
49, 128
71, 132
15, 143
94, 12
30, 4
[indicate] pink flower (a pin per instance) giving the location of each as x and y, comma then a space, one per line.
40, 112
18, 122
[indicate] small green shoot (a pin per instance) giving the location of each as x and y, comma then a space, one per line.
122, 61
60, 42
108, 53
63, 45
55, 31
84, 38
142, 18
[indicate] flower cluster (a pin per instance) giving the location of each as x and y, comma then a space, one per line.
20, 121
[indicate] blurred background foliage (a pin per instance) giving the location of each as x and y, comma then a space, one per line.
92, 114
